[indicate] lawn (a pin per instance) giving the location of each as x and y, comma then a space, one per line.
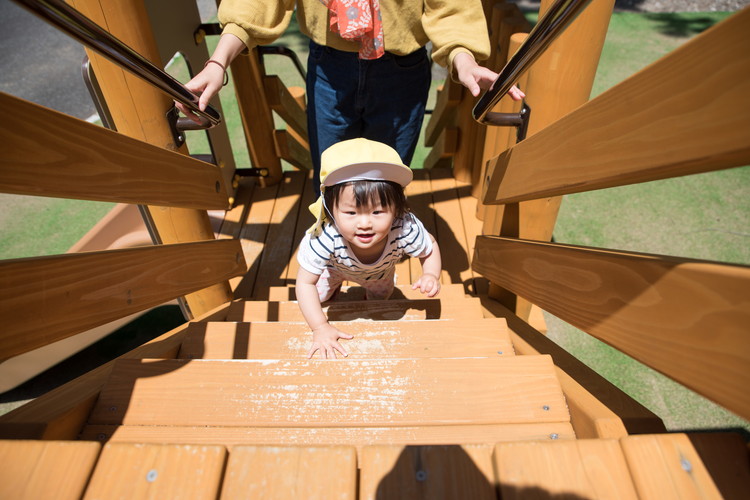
702, 216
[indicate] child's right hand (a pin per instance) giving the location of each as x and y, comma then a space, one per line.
326, 340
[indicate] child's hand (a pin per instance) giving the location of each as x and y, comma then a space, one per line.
326, 340
428, 284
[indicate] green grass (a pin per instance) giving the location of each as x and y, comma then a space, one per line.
702, 216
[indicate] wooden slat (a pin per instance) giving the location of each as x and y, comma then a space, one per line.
281, 100
686, 318
598, 408
725, 456
304, 221
61, 412
444, 113
666, 466
316, 393
585, 468
372, 339
450, 229
257, 118
157, 471
626, 135
45, 299
277, 248
356, 292
419, 195
427, 472
349, 436
444, 147
381, 310
51, 154
253, 237
45, 469
291, 472
231, 224
290, 149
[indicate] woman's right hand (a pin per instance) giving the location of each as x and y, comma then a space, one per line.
205, 84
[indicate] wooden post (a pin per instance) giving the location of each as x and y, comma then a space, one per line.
558, 82
138, 111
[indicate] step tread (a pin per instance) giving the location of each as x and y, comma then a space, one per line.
450, 290
128, 470
383, 310
441, 338
317, 393
354, 436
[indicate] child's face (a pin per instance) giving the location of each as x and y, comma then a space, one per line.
366, 228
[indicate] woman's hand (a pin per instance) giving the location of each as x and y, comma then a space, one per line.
475, 77
205, 84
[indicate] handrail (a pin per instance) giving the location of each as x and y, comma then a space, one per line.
83, 29
547, 29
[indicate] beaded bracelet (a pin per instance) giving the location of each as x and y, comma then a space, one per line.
226, 76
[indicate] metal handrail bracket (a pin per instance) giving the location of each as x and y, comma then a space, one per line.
81, 28
548, 28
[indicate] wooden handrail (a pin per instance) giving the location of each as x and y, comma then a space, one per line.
685, 318
52, 154
46, 299
685, 114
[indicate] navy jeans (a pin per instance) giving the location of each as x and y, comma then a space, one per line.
381, 100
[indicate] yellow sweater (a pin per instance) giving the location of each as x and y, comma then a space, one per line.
452, 26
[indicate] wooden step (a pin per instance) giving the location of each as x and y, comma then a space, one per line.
372, 339
351, 436
46, 469
328, 393
129, 470
377, 310
450, 290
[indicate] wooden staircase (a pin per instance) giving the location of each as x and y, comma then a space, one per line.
432, 402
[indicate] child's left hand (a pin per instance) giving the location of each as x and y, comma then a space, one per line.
429, 284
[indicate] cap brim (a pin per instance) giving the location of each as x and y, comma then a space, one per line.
400, 174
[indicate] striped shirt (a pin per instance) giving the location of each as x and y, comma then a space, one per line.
329, 249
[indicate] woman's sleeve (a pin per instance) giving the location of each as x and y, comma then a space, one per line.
255, 22
455, 26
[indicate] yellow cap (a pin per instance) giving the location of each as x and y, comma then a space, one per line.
357, 160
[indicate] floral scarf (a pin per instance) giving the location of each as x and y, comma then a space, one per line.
358, 20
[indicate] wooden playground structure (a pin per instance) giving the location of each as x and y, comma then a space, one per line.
462, 396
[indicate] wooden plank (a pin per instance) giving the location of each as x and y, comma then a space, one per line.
724, 454
277, 250
46, 469
290, 149
356, 292
304, 221
444, 147
291, 472
598, 408
46, 299
253, 237
372, 339
419, 196
427, 472
472, 225
666, 466
627, 136
157, 471
380, 310
231, 225
61, 412
281, 100
257, 119
586, 468
450, 229
685, 318
444, 113
347, 436
315, 393
52, 154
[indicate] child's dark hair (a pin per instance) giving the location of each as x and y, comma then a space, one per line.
368, 193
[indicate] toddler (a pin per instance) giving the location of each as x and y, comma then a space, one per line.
363, 229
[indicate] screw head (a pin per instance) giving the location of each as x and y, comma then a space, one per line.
421, 476
151, 476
